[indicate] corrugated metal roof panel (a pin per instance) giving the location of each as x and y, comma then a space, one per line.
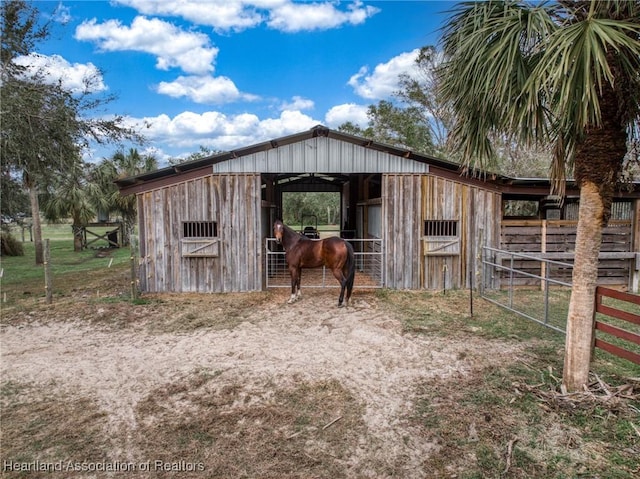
320, 155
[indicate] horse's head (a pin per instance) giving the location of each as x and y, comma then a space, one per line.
278, 231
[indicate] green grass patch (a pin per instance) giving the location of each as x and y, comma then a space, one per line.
22, 277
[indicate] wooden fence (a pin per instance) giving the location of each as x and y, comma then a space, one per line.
555, 240
616, 331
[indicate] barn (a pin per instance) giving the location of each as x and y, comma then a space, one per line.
414, 220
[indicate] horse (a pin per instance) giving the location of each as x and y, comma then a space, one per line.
303, 252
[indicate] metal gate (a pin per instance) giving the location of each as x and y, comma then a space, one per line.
369, 254
532, 287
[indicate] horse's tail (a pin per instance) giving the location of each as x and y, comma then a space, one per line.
351, 268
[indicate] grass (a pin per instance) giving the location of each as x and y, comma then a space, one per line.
21, 277
505, 421
514, 402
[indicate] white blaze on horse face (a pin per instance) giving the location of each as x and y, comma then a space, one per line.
277, 231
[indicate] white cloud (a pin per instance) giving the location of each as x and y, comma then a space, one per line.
204, 89
76, 77
383, 81
173, 47
339, 114
298, 103
222, 15
218, 131
237, 15
295, 17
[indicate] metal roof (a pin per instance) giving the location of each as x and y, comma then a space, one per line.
202, 166
211, 160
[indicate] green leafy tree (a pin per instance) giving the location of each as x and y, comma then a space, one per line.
44, 126
564, 73
421, 90
388, 123
203, 152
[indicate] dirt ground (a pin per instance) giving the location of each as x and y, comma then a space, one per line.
270, 346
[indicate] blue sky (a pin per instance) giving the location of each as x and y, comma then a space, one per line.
229, 73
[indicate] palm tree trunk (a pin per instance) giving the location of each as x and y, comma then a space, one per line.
77, 234
578, 345
36, 226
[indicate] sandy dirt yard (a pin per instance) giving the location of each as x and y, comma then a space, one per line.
125, 353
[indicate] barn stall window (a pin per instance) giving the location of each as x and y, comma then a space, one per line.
200, 239
441, 238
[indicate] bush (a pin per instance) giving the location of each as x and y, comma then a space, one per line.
9, 246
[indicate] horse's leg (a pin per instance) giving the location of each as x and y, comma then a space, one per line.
295, 282
298, 292
342, 279
347, 284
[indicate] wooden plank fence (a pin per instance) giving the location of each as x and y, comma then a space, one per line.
555, 240
618, 332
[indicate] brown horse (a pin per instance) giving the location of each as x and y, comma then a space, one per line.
302, 252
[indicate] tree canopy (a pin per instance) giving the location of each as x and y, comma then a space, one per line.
44, 126
563, 73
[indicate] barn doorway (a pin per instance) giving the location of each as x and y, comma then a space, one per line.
315, 214
344, 212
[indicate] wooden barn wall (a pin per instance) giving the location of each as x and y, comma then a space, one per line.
233, 201
401, 201
478, 212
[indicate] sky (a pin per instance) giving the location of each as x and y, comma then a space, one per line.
224, 74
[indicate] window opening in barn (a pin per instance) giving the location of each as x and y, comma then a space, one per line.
200, 239
517, 208
199, 229
441, 238
441, 228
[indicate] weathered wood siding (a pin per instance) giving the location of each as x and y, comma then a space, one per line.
233, 202
555, 239
409, 200
478, 212
401, 230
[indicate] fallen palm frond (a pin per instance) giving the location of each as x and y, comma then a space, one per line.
596, 394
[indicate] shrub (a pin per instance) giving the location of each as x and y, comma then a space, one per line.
9, 245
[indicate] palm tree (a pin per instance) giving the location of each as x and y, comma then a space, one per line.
564, 73
108, 198
70, 194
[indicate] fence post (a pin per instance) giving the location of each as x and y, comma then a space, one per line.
511, 264
545, 283
597, 301
48, 283
134, 282
543, 250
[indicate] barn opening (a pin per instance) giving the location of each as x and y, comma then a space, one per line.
315, 214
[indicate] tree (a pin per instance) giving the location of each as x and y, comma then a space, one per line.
422, 90
404, 127
44, 126
69, 194
564, 73
106, 197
